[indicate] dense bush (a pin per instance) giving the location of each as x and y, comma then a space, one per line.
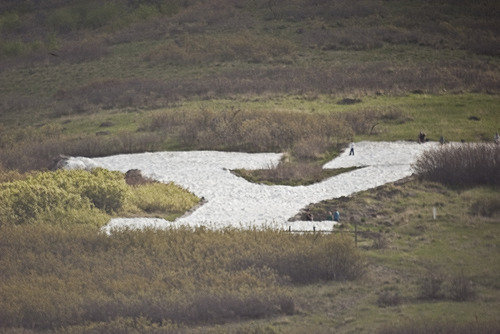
431, 285
39, 155
65, 198
55, 278
158, 197
328, 258
437, 285
461, 165
389, 296
61, 192
305, 136
252, 131
486, 206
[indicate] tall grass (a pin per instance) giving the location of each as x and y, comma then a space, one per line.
252, 131
150, 54
55, 278
90, 95
40, 155
446, 327
306, 136
201, 49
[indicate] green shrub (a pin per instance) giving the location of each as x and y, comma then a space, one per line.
23, 201
70, 216
486, 206
437, 285
431, 285
390, 296
312, 258
56, 194
106, 189
159, 197
460, 288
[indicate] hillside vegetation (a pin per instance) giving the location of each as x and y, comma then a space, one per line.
303, 77
71, 70
68, 198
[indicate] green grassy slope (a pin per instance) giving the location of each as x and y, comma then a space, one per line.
68, 68
110, 57
71, 69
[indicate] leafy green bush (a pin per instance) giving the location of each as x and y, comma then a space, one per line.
52, 194
23, 201
154, 197
106, 189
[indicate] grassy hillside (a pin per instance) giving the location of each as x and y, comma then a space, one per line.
411, 273
304, 77
60, 60
74, 70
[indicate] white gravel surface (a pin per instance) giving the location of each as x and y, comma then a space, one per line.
232, 201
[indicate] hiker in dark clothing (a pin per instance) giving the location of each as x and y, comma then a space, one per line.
336, 216
421, 137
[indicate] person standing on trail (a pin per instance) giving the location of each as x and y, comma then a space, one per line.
421, 137
352, 149
336, 216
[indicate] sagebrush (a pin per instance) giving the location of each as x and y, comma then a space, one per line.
461, 164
